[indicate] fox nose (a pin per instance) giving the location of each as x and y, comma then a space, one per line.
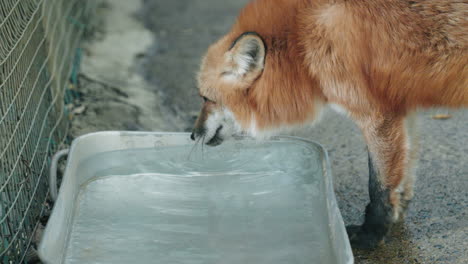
192, 136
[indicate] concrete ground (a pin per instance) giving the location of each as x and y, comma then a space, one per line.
138, 74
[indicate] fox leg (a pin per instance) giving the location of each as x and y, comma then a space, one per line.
390, 162
410, 177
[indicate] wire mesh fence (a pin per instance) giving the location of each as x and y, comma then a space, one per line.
38, 44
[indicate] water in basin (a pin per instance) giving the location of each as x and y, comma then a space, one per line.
236, 203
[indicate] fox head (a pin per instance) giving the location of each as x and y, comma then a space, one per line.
225, 77
254, 82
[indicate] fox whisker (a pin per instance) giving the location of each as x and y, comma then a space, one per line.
193, 148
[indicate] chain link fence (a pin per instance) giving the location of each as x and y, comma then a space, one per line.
38, 46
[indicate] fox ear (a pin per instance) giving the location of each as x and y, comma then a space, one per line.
246, 57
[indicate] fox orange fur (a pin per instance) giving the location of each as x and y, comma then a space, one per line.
378, 60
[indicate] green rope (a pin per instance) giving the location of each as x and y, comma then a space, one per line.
72, 94
76, 66
77, 23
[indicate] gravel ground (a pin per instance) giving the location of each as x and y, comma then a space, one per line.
138, 75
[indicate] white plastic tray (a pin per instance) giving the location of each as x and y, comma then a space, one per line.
124, 200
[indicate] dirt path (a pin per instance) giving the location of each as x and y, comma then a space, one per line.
113, 93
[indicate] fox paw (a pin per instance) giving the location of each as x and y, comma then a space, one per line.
363, 239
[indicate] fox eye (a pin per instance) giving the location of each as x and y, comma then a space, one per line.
206, 100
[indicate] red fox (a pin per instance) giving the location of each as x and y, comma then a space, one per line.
377, 60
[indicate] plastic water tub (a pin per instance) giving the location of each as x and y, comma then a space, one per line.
131, 197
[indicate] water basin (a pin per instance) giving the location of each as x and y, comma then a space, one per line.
154, 198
